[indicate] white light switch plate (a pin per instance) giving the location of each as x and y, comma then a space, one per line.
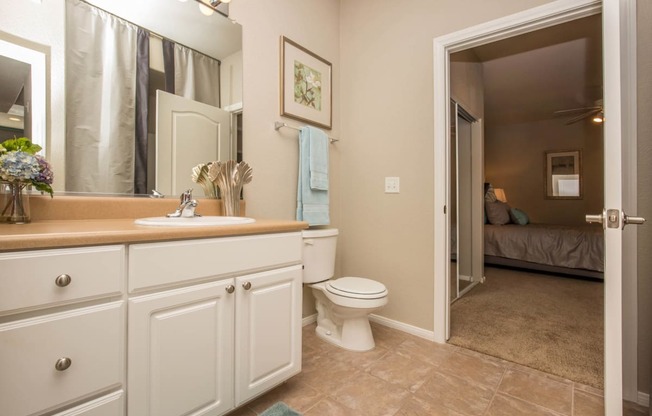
392, 185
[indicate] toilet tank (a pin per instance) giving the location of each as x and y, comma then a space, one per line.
319, 254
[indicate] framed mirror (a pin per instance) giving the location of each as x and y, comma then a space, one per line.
563, 174
182, 23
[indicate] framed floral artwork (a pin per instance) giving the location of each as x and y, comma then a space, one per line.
306, 85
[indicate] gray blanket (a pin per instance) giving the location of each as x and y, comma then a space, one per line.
580, 247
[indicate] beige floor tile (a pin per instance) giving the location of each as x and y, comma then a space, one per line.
401, 371
416, 406
586, 404
326, 375
298, 396
538, 389
361, 360
243, 411
456, 393
387, 337
423, 350
588, 389
370, 396
310, 339
458, 383
474, 369
329, 407
510, 406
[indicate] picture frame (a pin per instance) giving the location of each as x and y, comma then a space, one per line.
306, 85
563, 174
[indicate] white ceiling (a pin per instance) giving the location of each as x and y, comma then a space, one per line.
528, 77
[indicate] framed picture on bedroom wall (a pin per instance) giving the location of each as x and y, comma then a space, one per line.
306, 85
563, 175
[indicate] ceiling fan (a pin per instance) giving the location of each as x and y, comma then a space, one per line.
595, 112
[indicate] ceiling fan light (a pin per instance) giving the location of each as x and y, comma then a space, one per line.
598, 118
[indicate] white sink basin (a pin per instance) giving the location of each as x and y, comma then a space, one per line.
193, 221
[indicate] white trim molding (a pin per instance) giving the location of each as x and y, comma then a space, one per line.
390, 323
410, 329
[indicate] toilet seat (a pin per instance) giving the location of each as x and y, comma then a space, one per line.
356, 288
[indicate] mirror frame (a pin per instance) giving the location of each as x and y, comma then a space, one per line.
37, 106
548, 164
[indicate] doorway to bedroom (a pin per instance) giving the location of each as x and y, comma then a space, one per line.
542, 304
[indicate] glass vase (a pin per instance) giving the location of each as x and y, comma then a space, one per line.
14, 202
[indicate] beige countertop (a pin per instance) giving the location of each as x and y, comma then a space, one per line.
69, 222
75, 233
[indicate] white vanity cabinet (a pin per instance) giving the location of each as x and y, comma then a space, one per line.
212, 322
62, 331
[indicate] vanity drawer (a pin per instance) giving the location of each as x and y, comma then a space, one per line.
92, 338
28, 279
170, 263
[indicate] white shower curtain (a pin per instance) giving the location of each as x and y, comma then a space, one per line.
196, 76
100, 77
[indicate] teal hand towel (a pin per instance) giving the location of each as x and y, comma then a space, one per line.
312, 204
318, 159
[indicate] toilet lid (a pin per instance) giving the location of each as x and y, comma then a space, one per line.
357, 288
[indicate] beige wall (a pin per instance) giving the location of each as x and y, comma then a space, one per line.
466, 83
274, 155
644, 209
514, 161
387, 130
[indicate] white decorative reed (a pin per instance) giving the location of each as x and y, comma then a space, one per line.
230, 177
200, 176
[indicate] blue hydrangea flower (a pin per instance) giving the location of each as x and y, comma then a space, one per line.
19, 166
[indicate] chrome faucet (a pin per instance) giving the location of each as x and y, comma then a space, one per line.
186, 206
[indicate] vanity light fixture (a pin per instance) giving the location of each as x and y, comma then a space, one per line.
207, 7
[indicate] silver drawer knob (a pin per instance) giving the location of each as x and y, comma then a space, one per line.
63, 280
246, 285
63, 364
230, 289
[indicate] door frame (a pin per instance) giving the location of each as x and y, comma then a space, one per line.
550, 14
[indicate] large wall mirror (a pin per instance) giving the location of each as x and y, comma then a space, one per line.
104, 153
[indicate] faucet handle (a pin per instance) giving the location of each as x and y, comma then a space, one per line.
186, 196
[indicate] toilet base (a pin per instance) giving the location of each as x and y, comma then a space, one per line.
354, 334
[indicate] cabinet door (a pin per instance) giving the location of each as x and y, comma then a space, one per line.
180, 351
54, 360
268, 330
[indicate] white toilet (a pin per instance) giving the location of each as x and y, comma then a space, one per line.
344, 304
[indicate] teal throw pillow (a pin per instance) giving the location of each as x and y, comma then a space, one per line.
518, 217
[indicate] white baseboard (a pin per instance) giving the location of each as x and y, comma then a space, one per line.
413, 330
643, 399
309, 319
465, 278
410, 329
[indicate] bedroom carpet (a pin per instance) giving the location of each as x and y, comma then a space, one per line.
550, 323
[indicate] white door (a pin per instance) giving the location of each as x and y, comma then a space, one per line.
180, 351
187, 133
267, 330
618, 135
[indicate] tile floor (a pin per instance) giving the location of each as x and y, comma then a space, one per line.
406, 375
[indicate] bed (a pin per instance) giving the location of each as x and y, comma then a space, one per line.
572, 250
